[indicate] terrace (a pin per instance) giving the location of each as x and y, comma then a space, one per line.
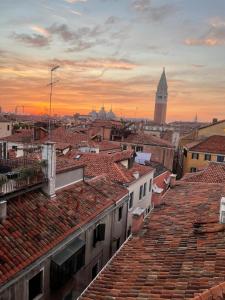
20, 175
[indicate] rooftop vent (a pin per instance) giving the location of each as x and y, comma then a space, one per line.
77, 157
222, 210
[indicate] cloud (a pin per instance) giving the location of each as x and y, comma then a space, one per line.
146, 10
111, 20
75, 1
40, 30
33, 40
121, 64
81, 46
214, 36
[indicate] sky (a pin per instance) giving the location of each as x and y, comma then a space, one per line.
112, 53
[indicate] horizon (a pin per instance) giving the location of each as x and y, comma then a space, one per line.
113, 53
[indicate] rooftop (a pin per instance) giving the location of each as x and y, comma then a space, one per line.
110, 165
213, 144
214, 173
35, 225
146, 139
178, 254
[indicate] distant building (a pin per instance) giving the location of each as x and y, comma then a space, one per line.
102, 114
198, 154
161, 100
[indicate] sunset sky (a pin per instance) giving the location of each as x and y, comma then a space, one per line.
112, 52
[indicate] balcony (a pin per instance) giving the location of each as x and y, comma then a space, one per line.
20, 175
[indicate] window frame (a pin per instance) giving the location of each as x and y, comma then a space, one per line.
144, 189
193, 171
150, 185
131, 200
39, 296
218, 158
120, 213
193, 155
98, 235
140, 192
210, 156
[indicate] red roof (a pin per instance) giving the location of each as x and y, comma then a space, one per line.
110, 164
21, 136
146, 139
214, 173
36, 224
66, 164
178, 254
213, 144
63, 135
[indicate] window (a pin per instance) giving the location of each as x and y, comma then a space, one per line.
193, 169
139, 149
99, 234
144, 191
150, 185
66, 263
124, 147
8, 127
133, 147
117, 243
207, 156
195, 155
140, 192
36, 285
220, 158
94, 271
14, 148
185, 152
129, 231
120, 213
131, 199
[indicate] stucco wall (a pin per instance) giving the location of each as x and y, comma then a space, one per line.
69, 177
5, 129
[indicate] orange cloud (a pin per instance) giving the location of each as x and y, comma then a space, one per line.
206, 42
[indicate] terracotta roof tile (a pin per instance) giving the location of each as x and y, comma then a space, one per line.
169, 259
23, 135
214, 173
110, 164
212, 144
146, 139
35, 224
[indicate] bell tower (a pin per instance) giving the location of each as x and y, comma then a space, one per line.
161, 100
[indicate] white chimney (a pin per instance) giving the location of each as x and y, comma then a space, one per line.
136, 174
49, 155
222, 210
173, 180
3, 211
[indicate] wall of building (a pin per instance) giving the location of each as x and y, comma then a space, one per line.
99, 254
199, 163
216, 129
68, 177
5, 129
163, 155
145, 201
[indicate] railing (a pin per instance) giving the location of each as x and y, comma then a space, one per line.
19, 174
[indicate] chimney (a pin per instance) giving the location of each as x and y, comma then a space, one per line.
137, 219
173, 180
214, 120
3, 211
49, 154
136, 174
